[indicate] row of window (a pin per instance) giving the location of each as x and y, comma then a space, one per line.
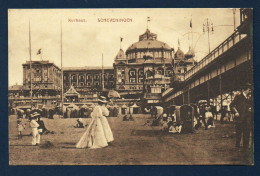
89, 77
132, 72
89, 84
156, 54
133, 77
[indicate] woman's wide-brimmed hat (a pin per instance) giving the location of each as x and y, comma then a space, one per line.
102, 99
35, 114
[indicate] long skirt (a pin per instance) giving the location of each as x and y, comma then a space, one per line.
107, 129
94, 136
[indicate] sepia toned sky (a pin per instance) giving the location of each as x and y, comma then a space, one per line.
84, 42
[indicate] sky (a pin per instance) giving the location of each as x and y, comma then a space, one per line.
84, 42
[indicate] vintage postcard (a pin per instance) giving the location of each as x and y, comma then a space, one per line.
131, 86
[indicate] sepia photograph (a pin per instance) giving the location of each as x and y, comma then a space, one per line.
131, 86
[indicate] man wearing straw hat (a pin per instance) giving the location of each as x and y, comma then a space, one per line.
35, 133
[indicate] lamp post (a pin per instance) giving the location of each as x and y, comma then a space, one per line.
208, 27
234, 15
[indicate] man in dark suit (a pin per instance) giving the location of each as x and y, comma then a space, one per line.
242, 106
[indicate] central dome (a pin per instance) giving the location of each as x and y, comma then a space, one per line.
148, 40
149, 44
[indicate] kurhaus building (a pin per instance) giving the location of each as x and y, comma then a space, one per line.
148, 66
146, 59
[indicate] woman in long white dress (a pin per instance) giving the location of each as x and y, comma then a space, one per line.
105, 124
94, 136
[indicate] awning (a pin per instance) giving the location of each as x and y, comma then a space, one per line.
84, 106
113, 94
134, 106
71, 92
124, 106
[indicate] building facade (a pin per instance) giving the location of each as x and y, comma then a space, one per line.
145, 63
46, 79
144, 71
88, 80
182, 63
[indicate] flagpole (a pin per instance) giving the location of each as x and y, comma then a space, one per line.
147, 23
41, 55
102, 74
191, 34
61, 68
30, 53
148, 20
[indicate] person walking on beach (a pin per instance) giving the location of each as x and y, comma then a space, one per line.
94, 136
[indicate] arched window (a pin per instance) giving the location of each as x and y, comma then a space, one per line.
81, 77
160, 71
96, 77
148, 73
89, 77
81, 84
111, 77
96, 84
74, 78
105, 77
140, 75
168, 72
132, 76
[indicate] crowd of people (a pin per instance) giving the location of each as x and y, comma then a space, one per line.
98, 132
182, 119
201, 115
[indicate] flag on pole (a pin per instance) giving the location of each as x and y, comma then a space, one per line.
39, 51
121, 39
190, 23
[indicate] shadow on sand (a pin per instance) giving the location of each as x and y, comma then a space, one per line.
24, 145
147, 133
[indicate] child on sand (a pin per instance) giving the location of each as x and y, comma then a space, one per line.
35, 133
20, 127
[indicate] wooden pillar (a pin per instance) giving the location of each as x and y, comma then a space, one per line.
70, 78
220, 92
208, 86
77, 77
188, 95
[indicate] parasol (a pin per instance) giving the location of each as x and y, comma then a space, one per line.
113, 94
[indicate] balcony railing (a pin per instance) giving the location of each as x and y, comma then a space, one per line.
153, 95
218, 51
27, 97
